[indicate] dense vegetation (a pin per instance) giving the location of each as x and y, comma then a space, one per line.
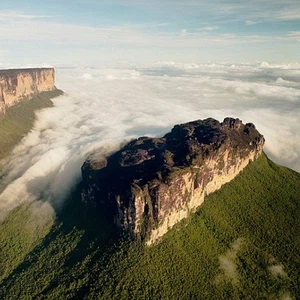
243, 243
19, 234
19, 119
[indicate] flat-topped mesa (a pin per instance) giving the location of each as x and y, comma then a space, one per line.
23, 84
152, 183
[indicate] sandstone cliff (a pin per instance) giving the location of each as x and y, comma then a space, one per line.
152, 183
22, 84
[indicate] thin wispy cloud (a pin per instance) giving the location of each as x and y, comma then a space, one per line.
88, 36
160, 25
19, 15
209, 28
294, 35
251, 22
174, 30
290, 14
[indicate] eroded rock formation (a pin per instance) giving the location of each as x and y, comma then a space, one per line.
22, 84
152, 183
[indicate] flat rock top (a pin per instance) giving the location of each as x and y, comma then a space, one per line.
27, 70
187, 145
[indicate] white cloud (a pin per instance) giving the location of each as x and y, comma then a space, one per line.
77, 37
290, 13
40, 39
228, 263
65, 34
160, 25
287, 83
14, 15
80, 37
209, 28
294, 35
104, 107
183, 32
251, 22
277, 271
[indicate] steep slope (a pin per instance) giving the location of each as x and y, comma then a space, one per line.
19, 119
241, 244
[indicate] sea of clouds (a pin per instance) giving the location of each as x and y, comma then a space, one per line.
104, 107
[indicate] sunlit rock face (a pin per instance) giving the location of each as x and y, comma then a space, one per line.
22, 84
152, 183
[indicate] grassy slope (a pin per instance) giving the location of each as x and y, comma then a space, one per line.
19, 120
249, 227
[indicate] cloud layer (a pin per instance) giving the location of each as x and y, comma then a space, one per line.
104, 107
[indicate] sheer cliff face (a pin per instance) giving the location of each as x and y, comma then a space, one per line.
22, 84
152, 183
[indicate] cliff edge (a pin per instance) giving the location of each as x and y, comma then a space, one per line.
152, 183
23, 84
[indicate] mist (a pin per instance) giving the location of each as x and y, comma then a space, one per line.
103, 107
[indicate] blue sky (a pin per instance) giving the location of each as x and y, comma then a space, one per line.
96, 32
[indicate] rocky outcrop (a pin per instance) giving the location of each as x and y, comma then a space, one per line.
22, 84
152, 183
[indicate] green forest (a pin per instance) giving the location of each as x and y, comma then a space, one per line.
242, 243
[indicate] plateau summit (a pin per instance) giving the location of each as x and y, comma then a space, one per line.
152, 183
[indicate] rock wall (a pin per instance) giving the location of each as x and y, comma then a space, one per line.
153, 183
22, 84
